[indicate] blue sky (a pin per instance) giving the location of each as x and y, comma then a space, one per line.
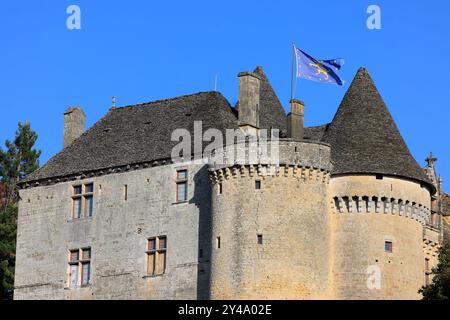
141, 50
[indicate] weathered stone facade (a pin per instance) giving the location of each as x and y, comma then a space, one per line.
342, 214
116, 233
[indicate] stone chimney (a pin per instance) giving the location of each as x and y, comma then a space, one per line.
295, 120
74, 122
249, 88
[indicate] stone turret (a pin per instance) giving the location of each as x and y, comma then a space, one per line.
380, 202
74, 124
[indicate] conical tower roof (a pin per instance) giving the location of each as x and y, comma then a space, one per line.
365, 138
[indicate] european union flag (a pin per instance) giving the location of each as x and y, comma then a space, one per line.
318, 70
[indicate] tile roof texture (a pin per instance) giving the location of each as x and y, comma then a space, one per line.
136, 134
365, 138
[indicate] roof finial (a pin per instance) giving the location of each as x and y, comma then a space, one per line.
114, 102
431, 160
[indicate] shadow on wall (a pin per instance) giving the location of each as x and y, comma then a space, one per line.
202, 199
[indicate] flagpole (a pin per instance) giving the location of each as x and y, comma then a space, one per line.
292, 71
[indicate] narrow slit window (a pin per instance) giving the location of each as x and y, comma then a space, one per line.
125, 192
218, 243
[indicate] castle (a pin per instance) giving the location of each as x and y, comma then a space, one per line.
346, 214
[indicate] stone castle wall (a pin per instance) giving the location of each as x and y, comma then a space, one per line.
117, 234
299, 235
273, 227
367, 212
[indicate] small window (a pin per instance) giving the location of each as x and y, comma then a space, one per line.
218, 242
220, 188
79, 269
125, 192
379, 177
181, 183
156, 255
257, 185
388, 246
260, 239
83, 201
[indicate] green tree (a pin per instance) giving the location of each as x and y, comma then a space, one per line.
439, 289
18, 160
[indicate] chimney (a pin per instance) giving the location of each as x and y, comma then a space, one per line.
295, 120
74, 119
249, 87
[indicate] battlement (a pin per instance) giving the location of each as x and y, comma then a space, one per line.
381, 205
293, 171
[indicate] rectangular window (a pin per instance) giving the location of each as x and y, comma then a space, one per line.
79, 269
83, 201
77, 208
257, 185
388, 246
182, 186
260, 239
220, 188
156, 255
89, 201
125, 192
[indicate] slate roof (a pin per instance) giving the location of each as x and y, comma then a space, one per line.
365, 138
272, 114
315, 133
139, 133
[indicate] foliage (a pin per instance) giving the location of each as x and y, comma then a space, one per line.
16, 162
439, 289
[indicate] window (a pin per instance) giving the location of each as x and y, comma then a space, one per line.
218, 243
83, 201
156, 255
257, 185
181, 185
388, 246
125, 192
79, 267
379, 177
260, 239
220, 188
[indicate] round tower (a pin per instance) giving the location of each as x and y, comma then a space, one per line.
270, 226
380, 201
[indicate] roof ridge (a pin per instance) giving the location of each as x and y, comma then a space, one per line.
169, 99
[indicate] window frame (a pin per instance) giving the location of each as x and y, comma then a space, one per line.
158, 252
85, 198
389, 249
80, 262
182, 181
